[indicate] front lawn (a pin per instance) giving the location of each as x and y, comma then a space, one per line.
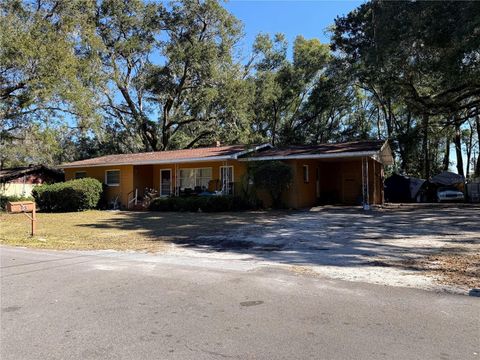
117, 230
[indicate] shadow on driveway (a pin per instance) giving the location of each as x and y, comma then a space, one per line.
346, 237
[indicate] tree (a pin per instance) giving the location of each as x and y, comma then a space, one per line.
42, 77
273, 176
421, 51
171, 72
283, 87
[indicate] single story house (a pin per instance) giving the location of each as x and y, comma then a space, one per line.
21, 180
342, 173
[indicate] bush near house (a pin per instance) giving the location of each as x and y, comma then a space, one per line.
202, 203
4, 199
73, 195
274, 177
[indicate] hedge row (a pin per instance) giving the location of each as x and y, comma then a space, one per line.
201, 203
73, 195
4, 199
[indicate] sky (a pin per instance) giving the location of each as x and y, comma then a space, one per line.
307, 18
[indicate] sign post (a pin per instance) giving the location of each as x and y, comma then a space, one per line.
16, 207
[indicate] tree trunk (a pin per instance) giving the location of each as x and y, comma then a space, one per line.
477, 167
469, 146
425, 152
446, 158
274, 125
458, 147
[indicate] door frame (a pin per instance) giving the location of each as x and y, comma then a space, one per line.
232, 180
171, 181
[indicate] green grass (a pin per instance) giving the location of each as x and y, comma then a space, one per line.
118, 230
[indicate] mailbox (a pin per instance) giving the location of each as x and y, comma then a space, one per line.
20, 206
24, 207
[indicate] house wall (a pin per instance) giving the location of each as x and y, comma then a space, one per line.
122, 190
23, 185
16, 189
143, 178
335, 182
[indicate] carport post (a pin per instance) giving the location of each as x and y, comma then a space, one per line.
365, 190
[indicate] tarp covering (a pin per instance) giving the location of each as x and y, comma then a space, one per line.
400, 188
415, 186
447, 178
397, 188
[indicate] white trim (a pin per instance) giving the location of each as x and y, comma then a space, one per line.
313, 156
232, 180
119, 176
244, 152
171, 180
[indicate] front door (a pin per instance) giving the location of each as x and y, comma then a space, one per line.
165, 182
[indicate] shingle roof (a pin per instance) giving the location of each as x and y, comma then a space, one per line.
15, 173
232, 152
198, 154
337, 148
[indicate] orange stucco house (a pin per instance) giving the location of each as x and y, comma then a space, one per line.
342, 173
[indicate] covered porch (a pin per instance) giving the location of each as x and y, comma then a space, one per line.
184, 179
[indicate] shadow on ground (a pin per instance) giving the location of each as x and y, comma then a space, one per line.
346, 237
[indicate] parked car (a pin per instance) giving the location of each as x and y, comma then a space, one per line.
449, 194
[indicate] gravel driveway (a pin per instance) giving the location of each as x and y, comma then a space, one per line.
410, 246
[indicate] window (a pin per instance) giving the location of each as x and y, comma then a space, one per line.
203, 176
80, 174
191, 178
112, 177
305, 174
226, 179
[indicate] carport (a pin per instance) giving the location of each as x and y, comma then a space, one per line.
340, 174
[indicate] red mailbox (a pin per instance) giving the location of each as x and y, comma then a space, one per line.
20, 206
25, 207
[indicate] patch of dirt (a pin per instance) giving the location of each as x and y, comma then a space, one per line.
303, 270
450, 268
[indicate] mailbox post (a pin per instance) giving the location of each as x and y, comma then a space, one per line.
16, 207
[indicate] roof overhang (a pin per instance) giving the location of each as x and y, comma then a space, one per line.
384, 156
153, 162
314, 156
234, 156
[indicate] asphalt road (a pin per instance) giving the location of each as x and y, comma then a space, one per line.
80, 305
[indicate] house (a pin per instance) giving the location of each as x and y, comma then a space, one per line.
343, 173
21, 180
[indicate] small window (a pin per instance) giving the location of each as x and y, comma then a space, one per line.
80, 174
112, 177
305, 174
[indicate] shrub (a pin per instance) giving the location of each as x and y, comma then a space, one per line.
4, 199
73, 195
203, 203
273, 176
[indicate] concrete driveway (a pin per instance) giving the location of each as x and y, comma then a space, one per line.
120, 305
